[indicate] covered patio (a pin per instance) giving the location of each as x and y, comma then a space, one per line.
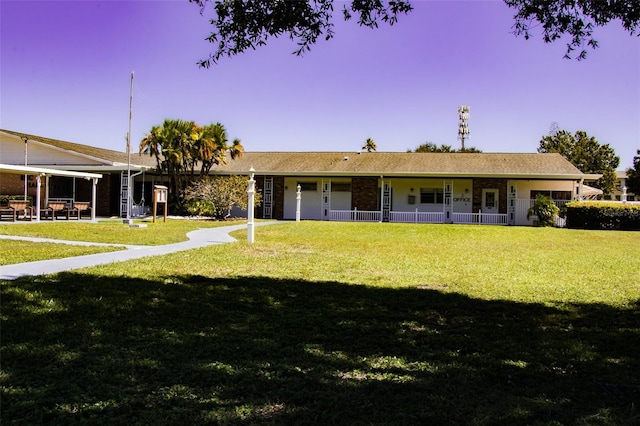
40, 172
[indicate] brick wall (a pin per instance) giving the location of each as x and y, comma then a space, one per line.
364, 193
499, 184
278, 197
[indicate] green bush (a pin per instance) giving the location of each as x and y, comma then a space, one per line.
545, 209
4, 199
602, 215
200, 208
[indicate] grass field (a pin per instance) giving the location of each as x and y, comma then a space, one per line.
106, 231
336, 323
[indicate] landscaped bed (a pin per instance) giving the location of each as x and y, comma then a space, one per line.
336, 323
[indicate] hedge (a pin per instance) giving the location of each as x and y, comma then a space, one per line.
4, 199
602, 215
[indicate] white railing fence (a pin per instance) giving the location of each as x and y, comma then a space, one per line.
355, 215
480, 218
416, 217
524, 204
522, 208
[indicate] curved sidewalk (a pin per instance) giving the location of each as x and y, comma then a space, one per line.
198, 238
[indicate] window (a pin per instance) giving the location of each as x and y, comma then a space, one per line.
340, 187
534, 194
308, 186
431, 196
554, 195
561, 195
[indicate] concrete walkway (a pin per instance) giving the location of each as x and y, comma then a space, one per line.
199, 238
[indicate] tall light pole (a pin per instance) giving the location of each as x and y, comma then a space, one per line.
129, 153
463, 125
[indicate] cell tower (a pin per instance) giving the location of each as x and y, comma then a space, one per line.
463, 126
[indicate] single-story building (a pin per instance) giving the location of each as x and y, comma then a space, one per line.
488, 188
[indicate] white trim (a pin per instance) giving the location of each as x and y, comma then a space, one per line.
28, 170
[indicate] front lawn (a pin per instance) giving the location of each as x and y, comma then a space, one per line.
336, 323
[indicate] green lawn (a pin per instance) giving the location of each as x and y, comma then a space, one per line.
106, 231
336, 323
113, 231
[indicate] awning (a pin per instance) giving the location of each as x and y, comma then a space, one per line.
40, 171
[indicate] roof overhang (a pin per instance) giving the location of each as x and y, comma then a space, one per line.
105, 168
466, 175
27, 170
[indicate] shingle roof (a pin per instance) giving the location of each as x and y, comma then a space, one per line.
550, 166
108, 156
404, 164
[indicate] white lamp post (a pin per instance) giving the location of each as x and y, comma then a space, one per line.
26, 177
251, 191
298, 197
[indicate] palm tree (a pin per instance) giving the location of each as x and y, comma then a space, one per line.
236, 150
370, 145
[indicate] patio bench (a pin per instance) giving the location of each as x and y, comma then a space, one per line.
7, 211
23, 207
78, 208
54, 208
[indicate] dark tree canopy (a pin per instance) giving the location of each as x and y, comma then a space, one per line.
240, 25
576, 19
246, 24
586, 153
633, 175
432, 147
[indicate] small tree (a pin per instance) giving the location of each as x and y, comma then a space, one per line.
633, 175
545, 209
218, 195
370, 145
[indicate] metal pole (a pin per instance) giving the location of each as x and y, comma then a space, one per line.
129, 152
298, 197
251, 191
26, 177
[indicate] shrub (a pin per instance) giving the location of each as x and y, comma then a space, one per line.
602, 215
545, 209
4, 199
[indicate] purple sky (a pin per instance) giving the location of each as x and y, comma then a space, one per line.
65, 69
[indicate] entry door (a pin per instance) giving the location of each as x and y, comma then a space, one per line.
490, 201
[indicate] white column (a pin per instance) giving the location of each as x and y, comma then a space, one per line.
250, 208
38, 187
298, 197
93, 200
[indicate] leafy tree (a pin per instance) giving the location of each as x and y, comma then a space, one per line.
431, 147
576, 19
545, 210
370, 145
181, 146
633, 175
468, 149
218, 195
586, 153
240, 25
